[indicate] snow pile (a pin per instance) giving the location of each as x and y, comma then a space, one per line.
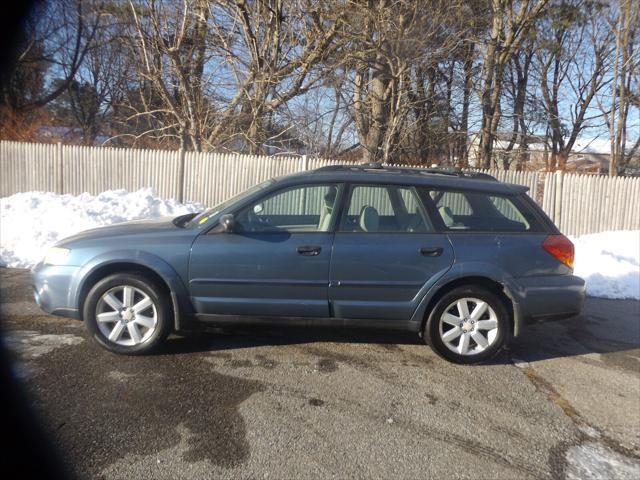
610, 263
31, 222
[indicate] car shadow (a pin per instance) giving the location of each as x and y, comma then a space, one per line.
211, 340
608, 328
605, 327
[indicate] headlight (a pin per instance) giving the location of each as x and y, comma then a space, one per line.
56, 256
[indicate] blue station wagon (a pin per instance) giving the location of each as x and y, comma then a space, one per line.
461, 259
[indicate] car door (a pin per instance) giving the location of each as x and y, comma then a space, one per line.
274, 262
386, 254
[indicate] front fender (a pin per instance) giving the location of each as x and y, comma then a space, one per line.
131, 257
478, 270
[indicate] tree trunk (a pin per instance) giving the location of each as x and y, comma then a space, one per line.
466, 99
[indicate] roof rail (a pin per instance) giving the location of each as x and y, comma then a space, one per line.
354, 167
452, 171
329, 168
371, 165
458, 172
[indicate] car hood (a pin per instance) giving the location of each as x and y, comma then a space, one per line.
121, 229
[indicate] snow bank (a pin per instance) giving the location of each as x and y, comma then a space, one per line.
610, 263
31, 222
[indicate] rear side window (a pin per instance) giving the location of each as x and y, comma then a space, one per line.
481, 212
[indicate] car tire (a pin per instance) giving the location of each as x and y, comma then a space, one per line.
128, 314
461, 334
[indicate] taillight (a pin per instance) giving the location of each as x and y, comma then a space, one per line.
561, 248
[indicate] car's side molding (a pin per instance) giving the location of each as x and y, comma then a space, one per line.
178, 291
274, 321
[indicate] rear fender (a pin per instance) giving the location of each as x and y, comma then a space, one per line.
471, 270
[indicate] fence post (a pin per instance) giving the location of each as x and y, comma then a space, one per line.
305, 162
60, 163
181, 155
557, 209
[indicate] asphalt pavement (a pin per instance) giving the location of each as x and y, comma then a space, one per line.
562, 402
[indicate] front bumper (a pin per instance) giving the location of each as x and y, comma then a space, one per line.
549, 297
52, 289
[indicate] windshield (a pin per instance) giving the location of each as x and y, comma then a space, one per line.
202, 217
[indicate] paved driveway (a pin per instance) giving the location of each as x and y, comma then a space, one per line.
562, 403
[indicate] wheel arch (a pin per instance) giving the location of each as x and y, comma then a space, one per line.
494, 286
157, 271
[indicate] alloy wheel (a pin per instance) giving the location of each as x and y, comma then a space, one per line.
126, 315
468, 326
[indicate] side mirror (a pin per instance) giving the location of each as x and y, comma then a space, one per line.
227, 222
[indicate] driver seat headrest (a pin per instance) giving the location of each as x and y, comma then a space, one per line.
330, 197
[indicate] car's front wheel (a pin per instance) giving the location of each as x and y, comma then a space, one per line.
127, 314
468, 325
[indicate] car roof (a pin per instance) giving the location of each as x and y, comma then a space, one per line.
446, 178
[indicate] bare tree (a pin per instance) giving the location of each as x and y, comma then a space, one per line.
572, 57
54, 42
274, 51
87, 104
388, 80
625, 91
169, 44
396, 61
321, 119
215, 74
517, 91
510, 25
462, 152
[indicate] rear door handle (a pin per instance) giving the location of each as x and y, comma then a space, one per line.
309, 250
431, 251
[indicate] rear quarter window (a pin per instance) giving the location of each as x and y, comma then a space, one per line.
481, 212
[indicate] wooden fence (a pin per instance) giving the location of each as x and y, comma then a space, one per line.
578, 204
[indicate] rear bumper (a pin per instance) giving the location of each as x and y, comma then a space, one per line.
51, 289
548, 297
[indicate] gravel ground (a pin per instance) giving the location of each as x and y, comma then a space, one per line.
561, 403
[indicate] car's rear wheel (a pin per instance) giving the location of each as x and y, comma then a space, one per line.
127, 314
469, 324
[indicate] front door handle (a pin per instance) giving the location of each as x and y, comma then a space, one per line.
431, 251
309, 250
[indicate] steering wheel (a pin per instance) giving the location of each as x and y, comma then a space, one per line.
257, 223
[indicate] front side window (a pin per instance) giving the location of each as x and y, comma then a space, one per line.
202, 217
305, 208
377, 208
480, 212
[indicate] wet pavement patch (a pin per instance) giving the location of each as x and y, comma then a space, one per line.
432, 399
29, 344
234, 363
135, 406
327, 365
265, 362
238, 363
316, 402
